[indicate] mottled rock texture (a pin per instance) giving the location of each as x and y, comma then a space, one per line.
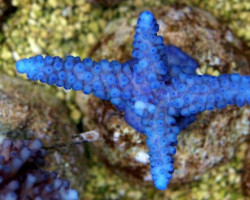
245, 177
105, 2
84, 24
213, 138
234, 13
34, 112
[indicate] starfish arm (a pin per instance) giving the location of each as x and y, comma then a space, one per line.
177, 58
161, 141
158, 89
149, 50
105, 79
191, 94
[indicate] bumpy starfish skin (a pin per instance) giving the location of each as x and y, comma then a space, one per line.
158, 89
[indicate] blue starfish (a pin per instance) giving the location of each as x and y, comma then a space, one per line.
158, 90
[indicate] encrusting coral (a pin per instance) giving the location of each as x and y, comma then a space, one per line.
158, 90
21, 178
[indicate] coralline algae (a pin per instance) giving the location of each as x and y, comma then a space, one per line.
158, 89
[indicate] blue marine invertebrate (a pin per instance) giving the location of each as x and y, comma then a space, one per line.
21, 178
158, 89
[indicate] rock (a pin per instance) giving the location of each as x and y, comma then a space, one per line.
195, 31
108, 3
49, 20
245, 177
233, 13
213, 138
29, 111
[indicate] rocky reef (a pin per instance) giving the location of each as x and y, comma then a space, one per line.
99, 32
32, 112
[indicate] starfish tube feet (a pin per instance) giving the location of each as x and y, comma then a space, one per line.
234, 90
105, 79
158, 89
149, 49
161, 142
196, 93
